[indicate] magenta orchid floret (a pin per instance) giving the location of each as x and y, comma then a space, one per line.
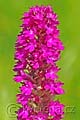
38, 48
56, 110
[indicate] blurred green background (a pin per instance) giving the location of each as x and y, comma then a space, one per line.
69, 15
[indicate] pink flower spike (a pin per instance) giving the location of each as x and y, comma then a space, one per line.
37, 50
